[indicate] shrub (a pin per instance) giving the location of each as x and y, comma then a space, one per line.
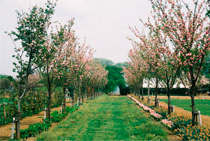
37, 128
162, 111
56, 117
193, 132
34, 129
179, 121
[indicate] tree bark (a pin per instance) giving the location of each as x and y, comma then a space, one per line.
64, 99
79, 96
192, 95
18, 118
168, 93
148, 89
142, 91
49, 102
156, 92
169, 99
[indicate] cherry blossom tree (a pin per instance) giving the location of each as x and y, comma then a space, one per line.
31, 32
167, 63
96, 77
188, 30
148, 48
66, 41
138, 68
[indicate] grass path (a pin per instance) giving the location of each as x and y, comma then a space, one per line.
107, 118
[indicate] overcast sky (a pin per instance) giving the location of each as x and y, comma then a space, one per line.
104, 24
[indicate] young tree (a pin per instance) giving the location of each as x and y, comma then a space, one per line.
168, 64
188, 30
68, 41
95, 76
31, 32
148, 48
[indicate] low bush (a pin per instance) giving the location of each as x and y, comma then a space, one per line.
193, 133
37, 128
56, 117
162, 111
34, 129
179, 121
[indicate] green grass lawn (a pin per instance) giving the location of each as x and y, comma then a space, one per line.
107, 118
201, 105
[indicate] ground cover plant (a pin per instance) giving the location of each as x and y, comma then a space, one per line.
4, 100
107, 118
202, 105
180, 125
36, 128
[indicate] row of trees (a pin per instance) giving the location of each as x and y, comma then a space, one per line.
174, 49
54, 53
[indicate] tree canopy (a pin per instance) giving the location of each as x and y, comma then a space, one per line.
115, 78
105, 62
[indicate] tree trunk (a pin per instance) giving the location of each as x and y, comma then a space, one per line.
168, 94
192, 95
156, 92
169, 100
148, 89
79, 96
64, 100
18, 118
91, 93
142, 91
82, 97
49, 103
49, 91
73, 99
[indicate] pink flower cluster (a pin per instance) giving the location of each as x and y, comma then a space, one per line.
156, 115
152, 112
167, 123
162, 105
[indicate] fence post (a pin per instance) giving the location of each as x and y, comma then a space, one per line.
13, 128
45, 112
199, 117
4, 109
77, 101
173, 109
16, 121
61, 107
148, 100
158, 102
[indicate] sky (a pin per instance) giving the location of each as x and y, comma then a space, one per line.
103, 23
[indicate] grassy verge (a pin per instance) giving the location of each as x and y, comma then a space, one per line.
201, 105
107, 118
